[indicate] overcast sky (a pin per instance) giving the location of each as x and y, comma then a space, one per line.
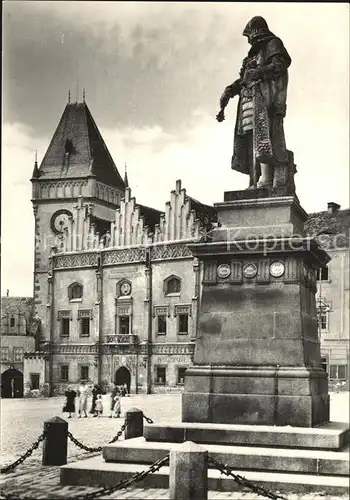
153, 74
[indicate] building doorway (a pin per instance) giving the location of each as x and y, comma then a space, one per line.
12, 384
122, 376
34, 380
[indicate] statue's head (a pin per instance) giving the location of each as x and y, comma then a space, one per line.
256, 29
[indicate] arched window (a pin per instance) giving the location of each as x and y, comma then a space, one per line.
172, 285
75, 291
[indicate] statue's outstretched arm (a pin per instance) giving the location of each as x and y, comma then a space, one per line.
229, 92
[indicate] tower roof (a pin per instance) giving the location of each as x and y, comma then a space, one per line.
77, 150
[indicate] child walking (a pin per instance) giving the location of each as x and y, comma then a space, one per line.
116, 411
98, 405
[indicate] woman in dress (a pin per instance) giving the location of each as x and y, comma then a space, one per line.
69, 407
114, 393
83, 395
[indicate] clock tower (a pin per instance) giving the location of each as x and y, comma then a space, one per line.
77, 164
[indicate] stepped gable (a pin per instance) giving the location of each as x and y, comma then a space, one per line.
330, 228
77, 150
133, 222
184, 219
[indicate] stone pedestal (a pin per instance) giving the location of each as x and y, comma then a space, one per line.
257, 353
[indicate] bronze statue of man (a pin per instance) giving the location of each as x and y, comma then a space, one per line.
259, 143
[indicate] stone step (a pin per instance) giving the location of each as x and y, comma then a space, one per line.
96, 472
330, 436
138, 450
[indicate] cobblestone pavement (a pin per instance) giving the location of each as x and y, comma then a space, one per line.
22, 422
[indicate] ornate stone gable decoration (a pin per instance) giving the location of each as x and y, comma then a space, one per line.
184, 218
129, 226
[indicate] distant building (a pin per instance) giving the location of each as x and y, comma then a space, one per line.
332, 229
116, 288
18, 334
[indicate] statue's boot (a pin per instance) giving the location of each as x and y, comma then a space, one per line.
265, 179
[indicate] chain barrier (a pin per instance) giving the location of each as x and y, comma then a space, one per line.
148, 420
242, 481
21, 459
124, 483
97, 448
106, 490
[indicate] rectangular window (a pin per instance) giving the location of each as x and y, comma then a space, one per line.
64, 373
12, 322
65, 322
4, 354
161, 322
322, 274
84, 372
338, 372
181, 375
160, 375
18, 354
124, 325
84, 327
322, 320
183, 324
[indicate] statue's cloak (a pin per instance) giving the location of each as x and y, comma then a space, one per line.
269, 96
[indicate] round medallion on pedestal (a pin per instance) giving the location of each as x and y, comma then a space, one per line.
250, 270
223, 271
277, 269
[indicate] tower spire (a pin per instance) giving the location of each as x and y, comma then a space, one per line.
126, 180
84, 95
36, 171
69, 96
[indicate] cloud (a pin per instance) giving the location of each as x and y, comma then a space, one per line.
19, 144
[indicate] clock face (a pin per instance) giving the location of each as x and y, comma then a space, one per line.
250, 270
59, 221
277, 269
223, 271
125, 288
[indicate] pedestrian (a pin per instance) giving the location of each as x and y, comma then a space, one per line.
117, 406
95, 392
69, 406
98, 405
126, 391
83, 395
113, 394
